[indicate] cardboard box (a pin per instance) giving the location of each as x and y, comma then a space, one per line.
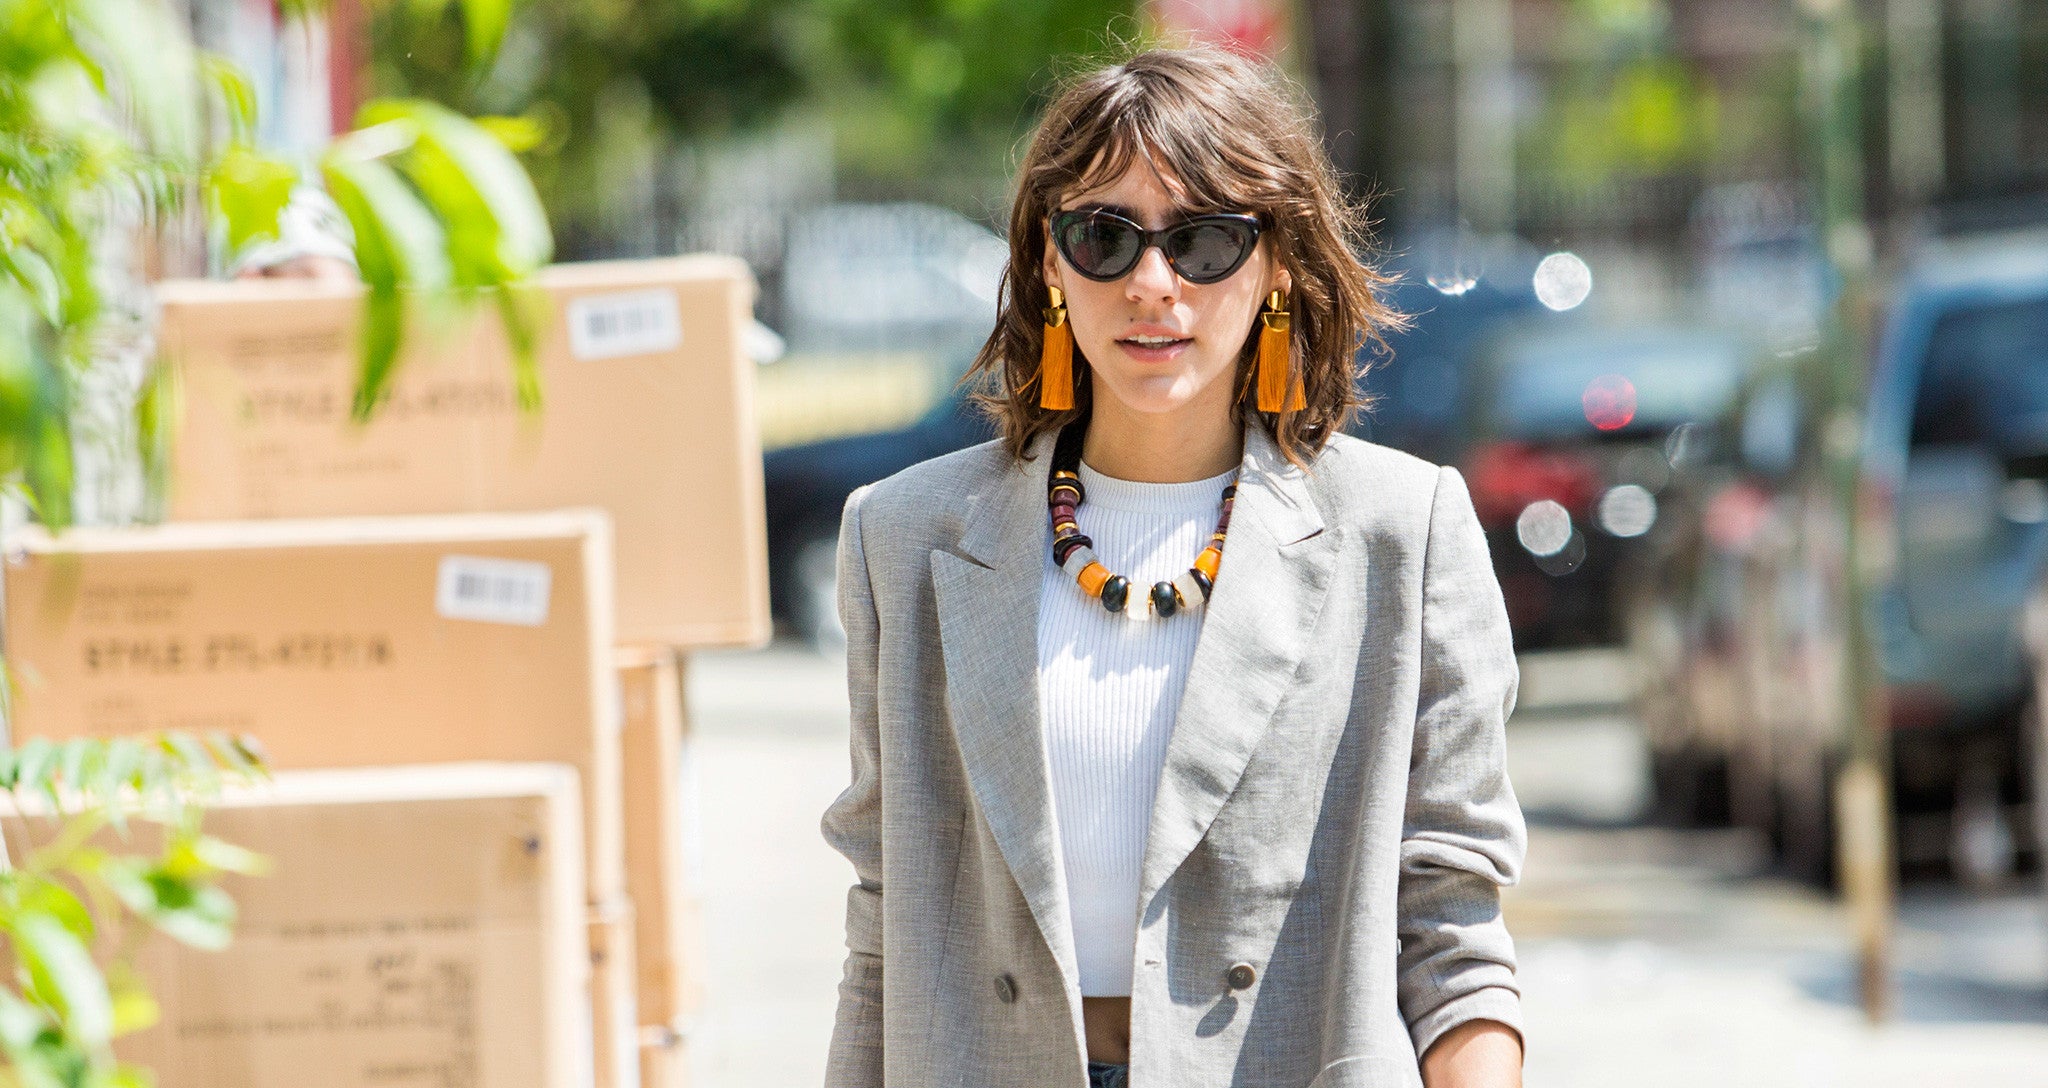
649, 413
615, 1017
663, 838
352, 642
419, 926
665, 1062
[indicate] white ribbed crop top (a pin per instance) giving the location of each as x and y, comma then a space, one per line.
1109, 687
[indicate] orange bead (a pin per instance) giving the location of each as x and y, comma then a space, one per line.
1092, 577
1208, 561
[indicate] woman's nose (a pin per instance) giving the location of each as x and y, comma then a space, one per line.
1153, 278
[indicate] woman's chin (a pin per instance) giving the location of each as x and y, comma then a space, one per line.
1157, 394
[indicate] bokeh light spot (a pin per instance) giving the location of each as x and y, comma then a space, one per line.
1610, 402
1562, 281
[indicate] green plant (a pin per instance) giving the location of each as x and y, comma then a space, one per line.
75, 909
111, 125
112, 122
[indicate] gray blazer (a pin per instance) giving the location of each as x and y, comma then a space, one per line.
1320, 892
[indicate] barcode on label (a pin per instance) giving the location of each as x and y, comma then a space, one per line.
624, 323
492, 590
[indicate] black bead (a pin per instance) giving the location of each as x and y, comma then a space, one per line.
1162, 598
1065, 546
1115, 592
1203, 581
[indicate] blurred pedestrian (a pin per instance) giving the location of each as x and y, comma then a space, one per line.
313, 242
1177, 713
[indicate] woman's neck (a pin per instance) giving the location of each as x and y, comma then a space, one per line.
1169, 448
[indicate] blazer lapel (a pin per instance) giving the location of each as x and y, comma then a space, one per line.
1277, 566
1276, 573
988, 632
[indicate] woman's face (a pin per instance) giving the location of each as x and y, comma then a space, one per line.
1207, 323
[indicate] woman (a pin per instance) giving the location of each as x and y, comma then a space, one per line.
1177, 712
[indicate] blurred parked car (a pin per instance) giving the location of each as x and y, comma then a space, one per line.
1713, 613
1420, 388
806, 488
1955, 492
1570, 434
1956, 450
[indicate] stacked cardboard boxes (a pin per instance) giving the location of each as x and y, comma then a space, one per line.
453, 582
663, 867
420, 925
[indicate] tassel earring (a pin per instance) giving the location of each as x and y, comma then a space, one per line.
1056, 359
1275, 386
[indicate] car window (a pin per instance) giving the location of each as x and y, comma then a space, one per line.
1673, 383
1986, 379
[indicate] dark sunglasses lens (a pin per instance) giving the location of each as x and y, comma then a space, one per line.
1098, 245
1206, 252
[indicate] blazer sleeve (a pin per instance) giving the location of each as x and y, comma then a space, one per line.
852, 825
1463, 836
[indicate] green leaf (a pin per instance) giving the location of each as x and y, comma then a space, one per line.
250, 190
75, 759
520, 316
519, 134
230, 754
134, 1007
237, 97
497, 229
484, 23
158, 407
142, 47
55, 900
195, 765
130, 1075
224, 857
33, 761
20, 1022
398, 240
63, 972
192, 912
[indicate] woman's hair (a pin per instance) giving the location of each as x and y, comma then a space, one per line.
1238, 137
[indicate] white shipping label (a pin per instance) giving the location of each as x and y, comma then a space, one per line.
474, 587
624, 323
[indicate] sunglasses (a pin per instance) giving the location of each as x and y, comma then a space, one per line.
1104, 246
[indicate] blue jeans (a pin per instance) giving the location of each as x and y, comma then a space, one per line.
1108, 1074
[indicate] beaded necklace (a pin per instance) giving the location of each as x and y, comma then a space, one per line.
1075, 553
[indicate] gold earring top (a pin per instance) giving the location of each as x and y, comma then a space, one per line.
1274, 317
1056, 314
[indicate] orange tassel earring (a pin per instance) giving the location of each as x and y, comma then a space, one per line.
1056, 359
1275, 384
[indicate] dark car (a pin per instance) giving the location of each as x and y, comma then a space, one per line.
1418, 391
1571, 433
806, 489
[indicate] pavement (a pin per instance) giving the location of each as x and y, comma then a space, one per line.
1647, 955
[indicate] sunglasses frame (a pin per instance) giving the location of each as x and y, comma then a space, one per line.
1150, 238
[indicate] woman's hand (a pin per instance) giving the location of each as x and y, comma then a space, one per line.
1475, 1054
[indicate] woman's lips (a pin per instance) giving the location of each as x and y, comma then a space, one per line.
1147, 353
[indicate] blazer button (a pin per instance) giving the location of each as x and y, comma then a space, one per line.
1241, 975
1006, 988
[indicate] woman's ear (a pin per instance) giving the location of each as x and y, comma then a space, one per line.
1050, 273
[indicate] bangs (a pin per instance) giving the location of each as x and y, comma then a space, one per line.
1173, 135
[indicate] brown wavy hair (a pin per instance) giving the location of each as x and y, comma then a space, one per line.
1239, 136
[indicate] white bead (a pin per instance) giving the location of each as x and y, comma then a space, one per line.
1190, 592
1078, 560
